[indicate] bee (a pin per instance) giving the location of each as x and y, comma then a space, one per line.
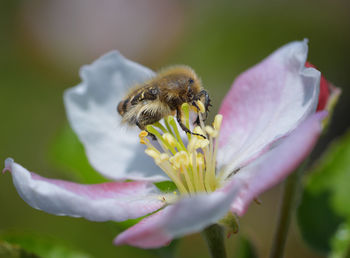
162, 96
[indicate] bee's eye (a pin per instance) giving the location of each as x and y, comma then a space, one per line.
190, 81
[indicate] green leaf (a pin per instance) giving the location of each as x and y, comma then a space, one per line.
68, 154
245, 248
166, 186
325, 203
167, 251
317, 221
341, 242
28, 245
8, 250
333, 175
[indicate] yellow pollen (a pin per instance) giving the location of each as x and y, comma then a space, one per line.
143, 139
199, 130
180, 160
203, 143
217, 122
143, 134
196, 143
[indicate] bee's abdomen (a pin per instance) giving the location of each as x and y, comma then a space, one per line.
122, 106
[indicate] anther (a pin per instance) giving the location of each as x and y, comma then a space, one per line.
196, 143
180, 159
210, 130
198, 131
143, 134
143, 139
152, 153
201, 106
163, 157
217, 122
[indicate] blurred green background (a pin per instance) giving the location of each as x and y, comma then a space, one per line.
44, 42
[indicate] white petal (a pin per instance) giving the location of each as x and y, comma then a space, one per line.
112, 149
265, 103
116, 201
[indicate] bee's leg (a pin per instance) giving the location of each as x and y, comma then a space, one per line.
183, 127
207, 99
206, 104
196, 122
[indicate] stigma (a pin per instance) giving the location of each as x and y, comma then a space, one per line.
190, 163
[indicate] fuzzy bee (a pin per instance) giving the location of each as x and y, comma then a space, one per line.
162, 96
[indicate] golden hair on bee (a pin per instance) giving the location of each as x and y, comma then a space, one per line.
163, 95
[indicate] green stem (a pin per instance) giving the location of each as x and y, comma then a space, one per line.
290, 199
214, 235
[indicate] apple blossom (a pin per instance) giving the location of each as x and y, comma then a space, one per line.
266, 126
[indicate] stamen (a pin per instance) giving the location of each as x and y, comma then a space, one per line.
180, 159
170, 139
152, 153
172, 122
152, 130
217, 122
191, 167
197, 143
168, 126
143, 139
192, 144
169, 170
157, 156
161, 127
201, 106
210, 130
187, 178
143, 134
199, 130
186, 115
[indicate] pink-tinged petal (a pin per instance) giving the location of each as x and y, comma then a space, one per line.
116, 201
112, 149
148, 233
266, 103
272, 167
188, 215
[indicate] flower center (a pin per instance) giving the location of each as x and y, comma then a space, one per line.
192, 166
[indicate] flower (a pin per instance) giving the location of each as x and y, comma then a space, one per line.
267, 125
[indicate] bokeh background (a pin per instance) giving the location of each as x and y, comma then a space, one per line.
44, 42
